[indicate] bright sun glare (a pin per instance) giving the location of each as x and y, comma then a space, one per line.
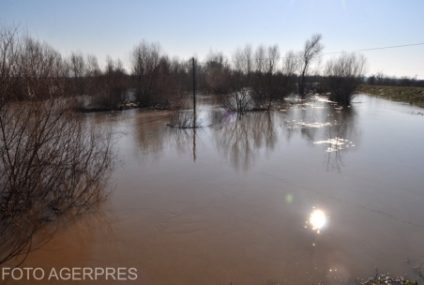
317, 219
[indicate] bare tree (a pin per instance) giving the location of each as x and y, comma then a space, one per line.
181, 78
217, 72
273, 56
92, 66
93, 84
243, 60
310, 52
9, 68
343, 76
290, 63
77, 65
240, 97
78, 72
114, 84
263, 81
260, 57
51, 164
145, 62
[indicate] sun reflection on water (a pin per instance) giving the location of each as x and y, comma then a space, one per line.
318, 220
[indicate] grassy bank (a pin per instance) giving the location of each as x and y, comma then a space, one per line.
407, 94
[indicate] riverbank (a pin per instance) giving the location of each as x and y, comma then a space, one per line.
407, 94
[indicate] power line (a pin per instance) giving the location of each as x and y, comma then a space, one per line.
380, 48
358, 50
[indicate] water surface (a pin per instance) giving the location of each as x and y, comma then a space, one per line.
302, 195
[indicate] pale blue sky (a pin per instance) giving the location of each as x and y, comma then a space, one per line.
188, 27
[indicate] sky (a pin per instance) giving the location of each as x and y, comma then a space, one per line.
186, 28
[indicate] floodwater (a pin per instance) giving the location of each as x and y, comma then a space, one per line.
305, 195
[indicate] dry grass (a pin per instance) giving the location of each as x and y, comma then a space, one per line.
407, 94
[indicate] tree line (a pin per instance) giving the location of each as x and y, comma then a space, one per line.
381, 79
251, 78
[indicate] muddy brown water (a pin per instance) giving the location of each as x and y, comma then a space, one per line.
302, 195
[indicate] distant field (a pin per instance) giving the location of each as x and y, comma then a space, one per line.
411, 95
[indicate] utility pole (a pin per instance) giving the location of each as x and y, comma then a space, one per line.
194, 91
194, 108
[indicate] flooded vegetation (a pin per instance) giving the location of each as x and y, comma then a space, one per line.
257, 166
53, 165
311, 193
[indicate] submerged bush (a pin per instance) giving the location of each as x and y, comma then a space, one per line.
343, 77
51, 164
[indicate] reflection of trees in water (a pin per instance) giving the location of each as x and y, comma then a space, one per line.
185, 140
323, 123
344, 128
242, 137
153, 134
305, 119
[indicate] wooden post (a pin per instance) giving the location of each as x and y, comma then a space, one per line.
194, 108
194, 92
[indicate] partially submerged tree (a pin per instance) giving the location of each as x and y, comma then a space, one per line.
273, 56
77, 68
343, 76
311, 51
290, 63
264, 83
243, 60
158, 80
145, 62
51, 163
114, 84
240, 97
217, 73
288, 82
